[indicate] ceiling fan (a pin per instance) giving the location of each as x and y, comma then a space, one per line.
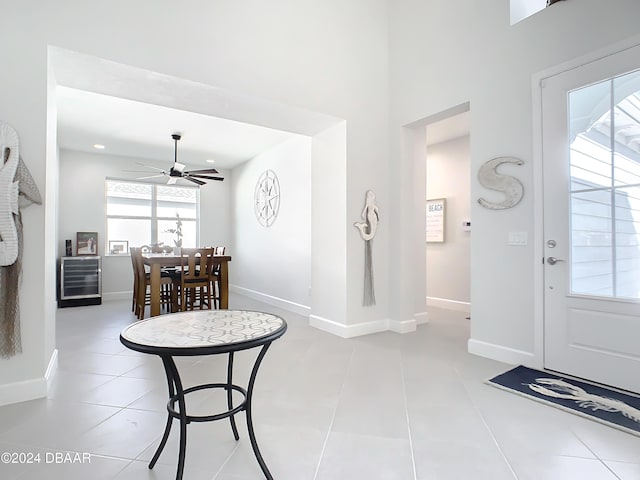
178, 171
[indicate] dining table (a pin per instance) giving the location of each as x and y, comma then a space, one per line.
155, 261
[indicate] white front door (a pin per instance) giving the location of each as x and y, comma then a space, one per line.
591, 174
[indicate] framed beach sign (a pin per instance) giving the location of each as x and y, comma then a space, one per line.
435, 220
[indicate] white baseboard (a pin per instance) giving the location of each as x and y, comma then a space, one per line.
422, 317
53, 365
111, 296
26, 390
348, 331
402, 326
339, 329
363, 328
23, 391
275, 301
500, 353
449, 304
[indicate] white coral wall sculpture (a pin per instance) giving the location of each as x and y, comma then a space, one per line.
8, 195
17, 190
368, 228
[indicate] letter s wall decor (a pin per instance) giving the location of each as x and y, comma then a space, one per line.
510, 186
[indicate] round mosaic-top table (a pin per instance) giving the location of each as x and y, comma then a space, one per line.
205, 332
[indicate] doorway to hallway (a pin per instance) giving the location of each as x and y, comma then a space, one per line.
448, 227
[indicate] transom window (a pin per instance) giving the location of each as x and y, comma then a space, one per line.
148, 213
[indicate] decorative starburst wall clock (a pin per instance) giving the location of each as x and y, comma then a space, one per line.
267, 198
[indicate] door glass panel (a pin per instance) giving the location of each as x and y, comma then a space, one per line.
604, 158
591, 252
628, 242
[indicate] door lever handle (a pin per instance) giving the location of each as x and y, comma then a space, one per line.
553, 260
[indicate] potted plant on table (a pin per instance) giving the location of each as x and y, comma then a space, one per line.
178, 233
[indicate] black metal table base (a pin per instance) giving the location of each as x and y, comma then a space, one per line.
177, 395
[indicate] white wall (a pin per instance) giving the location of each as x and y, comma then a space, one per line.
273, 263
329, 226
490, 64
521, 9
82, 208
329, 57
216, 219
448, 263
380, 66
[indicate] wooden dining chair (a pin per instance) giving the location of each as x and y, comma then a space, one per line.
135, 280
142, 286
195, 278
215, 277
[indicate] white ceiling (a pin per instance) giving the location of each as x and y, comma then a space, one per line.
142, 130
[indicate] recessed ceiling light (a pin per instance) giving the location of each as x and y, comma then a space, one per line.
98, 146
211, 161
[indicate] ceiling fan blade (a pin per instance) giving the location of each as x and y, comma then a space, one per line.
178, 167
206, 170
195, 180
151, 176
172, 180
208, 177
149, 166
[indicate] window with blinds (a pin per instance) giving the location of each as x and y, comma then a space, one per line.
148, 213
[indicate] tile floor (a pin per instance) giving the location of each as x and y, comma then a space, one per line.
384, 406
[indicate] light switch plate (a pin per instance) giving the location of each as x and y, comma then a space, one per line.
517, 238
